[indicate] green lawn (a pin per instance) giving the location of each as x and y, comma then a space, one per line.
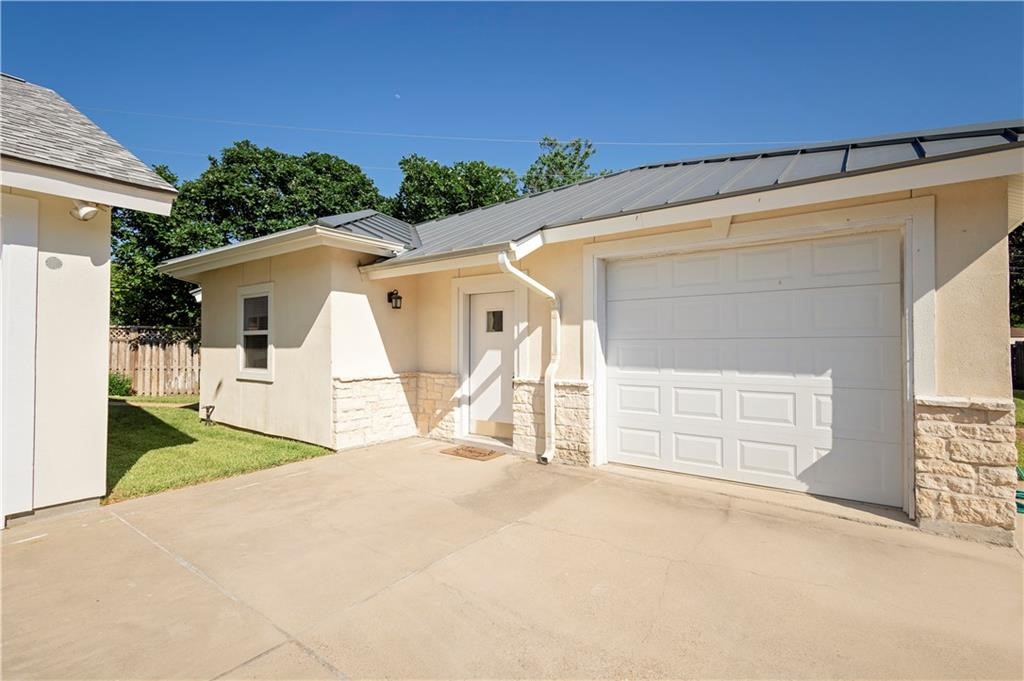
154, 449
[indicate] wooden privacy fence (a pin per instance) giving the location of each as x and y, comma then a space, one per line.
159, 361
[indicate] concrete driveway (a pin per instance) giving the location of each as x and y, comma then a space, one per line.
399, 561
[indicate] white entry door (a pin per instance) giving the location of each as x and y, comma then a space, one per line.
775, 365
490, 363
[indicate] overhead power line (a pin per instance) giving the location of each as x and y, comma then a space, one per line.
450, 138
199, 155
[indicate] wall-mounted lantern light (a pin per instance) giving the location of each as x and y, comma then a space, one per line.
395, 299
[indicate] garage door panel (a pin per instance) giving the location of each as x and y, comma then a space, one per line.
768, 357
796, 384
806, 313
766, 458
696, 403
626, 358
858, 362
854, 414
703, 317
697, 450
639, 399
644, 443
771, 263
636, 319
761, 406
867, 259
866, 362
854, 260
856, 311
848, 469
708, 358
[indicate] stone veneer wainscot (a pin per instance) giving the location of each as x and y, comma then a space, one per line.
572, 420
964, 467
372, 410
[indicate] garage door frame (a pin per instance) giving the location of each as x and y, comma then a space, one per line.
913, 218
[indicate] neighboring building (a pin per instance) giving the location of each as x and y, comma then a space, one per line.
59, 176
826, 319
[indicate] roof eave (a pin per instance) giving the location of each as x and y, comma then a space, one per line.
287, 241
58, 181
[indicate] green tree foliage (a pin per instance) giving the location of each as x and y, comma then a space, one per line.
1017, 276
249, 191
431, 190
253, 191
140, 294
559, 164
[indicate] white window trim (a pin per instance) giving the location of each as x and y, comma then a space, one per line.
255, 291
914, 218
462, 289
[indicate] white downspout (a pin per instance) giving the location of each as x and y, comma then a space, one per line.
556, 342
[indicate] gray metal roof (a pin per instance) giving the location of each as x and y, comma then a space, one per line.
372, 223
681, 182
38, 125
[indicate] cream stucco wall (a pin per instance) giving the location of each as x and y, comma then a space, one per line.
71, 354
327, 322
370, 339
297, 403
972, 288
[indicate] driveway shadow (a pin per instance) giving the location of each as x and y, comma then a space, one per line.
132, 432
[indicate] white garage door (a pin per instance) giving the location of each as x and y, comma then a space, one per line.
775, 365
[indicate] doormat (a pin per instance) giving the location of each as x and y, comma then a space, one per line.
472, 453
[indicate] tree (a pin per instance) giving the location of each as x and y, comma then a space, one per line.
431, 190
253, 191
559, 164
248, 192
138, 293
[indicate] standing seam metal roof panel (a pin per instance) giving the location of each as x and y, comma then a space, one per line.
661, 185
372, 223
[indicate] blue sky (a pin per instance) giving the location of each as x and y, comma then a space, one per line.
721, 74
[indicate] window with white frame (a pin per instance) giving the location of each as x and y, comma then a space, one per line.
254, 341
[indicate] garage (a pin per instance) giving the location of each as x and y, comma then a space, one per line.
776, 365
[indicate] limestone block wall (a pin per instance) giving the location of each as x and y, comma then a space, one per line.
381, 409
964, 467
572, 420
373, 410
436, 404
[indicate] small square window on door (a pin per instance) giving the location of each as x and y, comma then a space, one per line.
495, 321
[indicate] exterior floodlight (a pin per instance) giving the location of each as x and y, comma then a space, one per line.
84, 210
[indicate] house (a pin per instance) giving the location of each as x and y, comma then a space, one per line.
826, 319
59, 176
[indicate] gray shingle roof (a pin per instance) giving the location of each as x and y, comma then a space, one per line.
372, 223
37, 124
670, 184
